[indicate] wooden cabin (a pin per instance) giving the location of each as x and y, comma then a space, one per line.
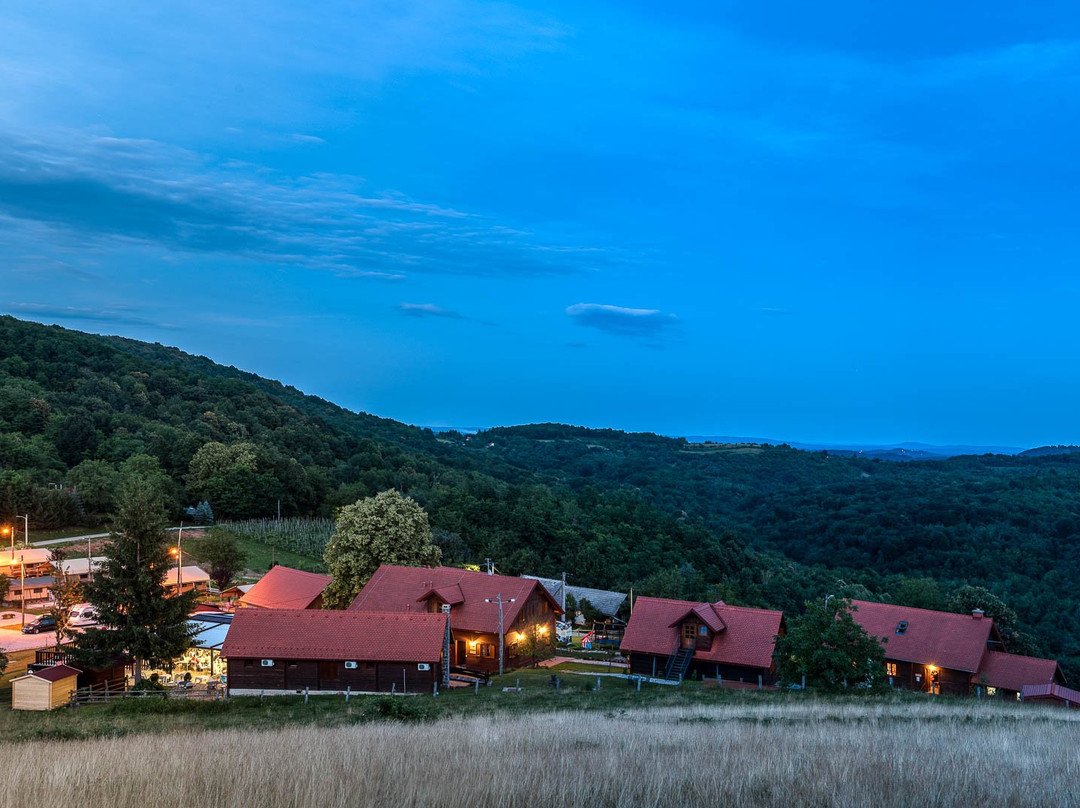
473, 601
285, 588
288, 650
676, 639
1006, 675
44, 689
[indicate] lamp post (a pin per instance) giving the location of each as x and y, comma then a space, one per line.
22, 589
26, 529
499, 599
179, 561
7, 531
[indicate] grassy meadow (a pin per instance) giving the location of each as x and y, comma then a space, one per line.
745, 752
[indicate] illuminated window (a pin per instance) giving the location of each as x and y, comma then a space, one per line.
487, 650
890, 669
991, 691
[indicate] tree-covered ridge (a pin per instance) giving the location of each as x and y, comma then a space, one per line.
759, 525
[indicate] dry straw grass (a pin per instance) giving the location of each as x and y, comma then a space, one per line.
778, 754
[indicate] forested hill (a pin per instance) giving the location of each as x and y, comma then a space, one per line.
761, 525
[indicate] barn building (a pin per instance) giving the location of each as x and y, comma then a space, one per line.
676, 639
473, 599
288, 650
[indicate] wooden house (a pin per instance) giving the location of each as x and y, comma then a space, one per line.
473, 600
935, 652
189, 577
285, 588
946, 653
288, 650
44, 689
675, 639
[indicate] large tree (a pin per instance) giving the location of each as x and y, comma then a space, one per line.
66, 593
385, 529
128, 592
829, 648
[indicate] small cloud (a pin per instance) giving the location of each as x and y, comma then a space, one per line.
428, 310
299, 138
623, 322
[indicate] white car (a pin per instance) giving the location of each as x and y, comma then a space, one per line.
82, 615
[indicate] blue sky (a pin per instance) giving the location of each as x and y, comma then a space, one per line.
844, 222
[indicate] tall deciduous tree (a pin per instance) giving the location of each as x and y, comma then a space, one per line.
66, 593
385, 529
224, 557
829, 648
128, 591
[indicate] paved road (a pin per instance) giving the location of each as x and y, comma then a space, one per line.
12, 638
73, 539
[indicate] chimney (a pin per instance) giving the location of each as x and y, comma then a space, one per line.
977, 614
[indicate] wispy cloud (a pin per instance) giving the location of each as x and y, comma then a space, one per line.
107, 190
119, 315
314, 139
650, 324
428, 310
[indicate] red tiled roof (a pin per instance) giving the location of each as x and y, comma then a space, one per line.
335, 635
1051, 691
748, 638
1012, 671
397, 589
56, 673
285, 588
956, 641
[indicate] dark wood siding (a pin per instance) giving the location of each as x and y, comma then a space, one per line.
249, 674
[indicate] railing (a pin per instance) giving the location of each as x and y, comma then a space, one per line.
101, 694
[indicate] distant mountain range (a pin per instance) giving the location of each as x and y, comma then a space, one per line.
892, 451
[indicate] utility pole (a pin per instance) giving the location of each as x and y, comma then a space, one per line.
499, 599
446, 649
562, 604
490, 567
26, 529
22, 589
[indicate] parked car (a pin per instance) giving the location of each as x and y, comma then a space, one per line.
44, 623
83, 615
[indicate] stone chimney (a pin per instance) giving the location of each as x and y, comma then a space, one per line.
977, 614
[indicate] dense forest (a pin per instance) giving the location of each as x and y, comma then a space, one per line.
760, 525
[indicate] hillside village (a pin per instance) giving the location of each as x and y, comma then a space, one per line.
416, 630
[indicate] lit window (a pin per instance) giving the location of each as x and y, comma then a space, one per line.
890, 669
991, 691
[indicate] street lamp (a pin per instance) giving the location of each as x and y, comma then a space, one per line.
499, 599
7, 531
179, 561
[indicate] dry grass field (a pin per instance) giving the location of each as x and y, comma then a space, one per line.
748, 753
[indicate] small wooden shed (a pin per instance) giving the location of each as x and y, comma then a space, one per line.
45, 689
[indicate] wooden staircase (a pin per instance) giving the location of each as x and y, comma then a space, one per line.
678, 664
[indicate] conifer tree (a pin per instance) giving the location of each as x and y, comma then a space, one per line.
128, 591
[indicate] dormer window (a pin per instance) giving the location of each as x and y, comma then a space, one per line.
703, 630
901, 627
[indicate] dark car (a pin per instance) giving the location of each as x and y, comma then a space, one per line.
44, 623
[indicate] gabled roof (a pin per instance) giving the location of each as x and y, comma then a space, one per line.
1012, 671
398, 589
192, 575
451, 595
748, 637
956, 641
54, 673
285, 588
705, 613
319, 634
604, 601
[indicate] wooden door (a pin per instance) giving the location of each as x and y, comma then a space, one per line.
689, 635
